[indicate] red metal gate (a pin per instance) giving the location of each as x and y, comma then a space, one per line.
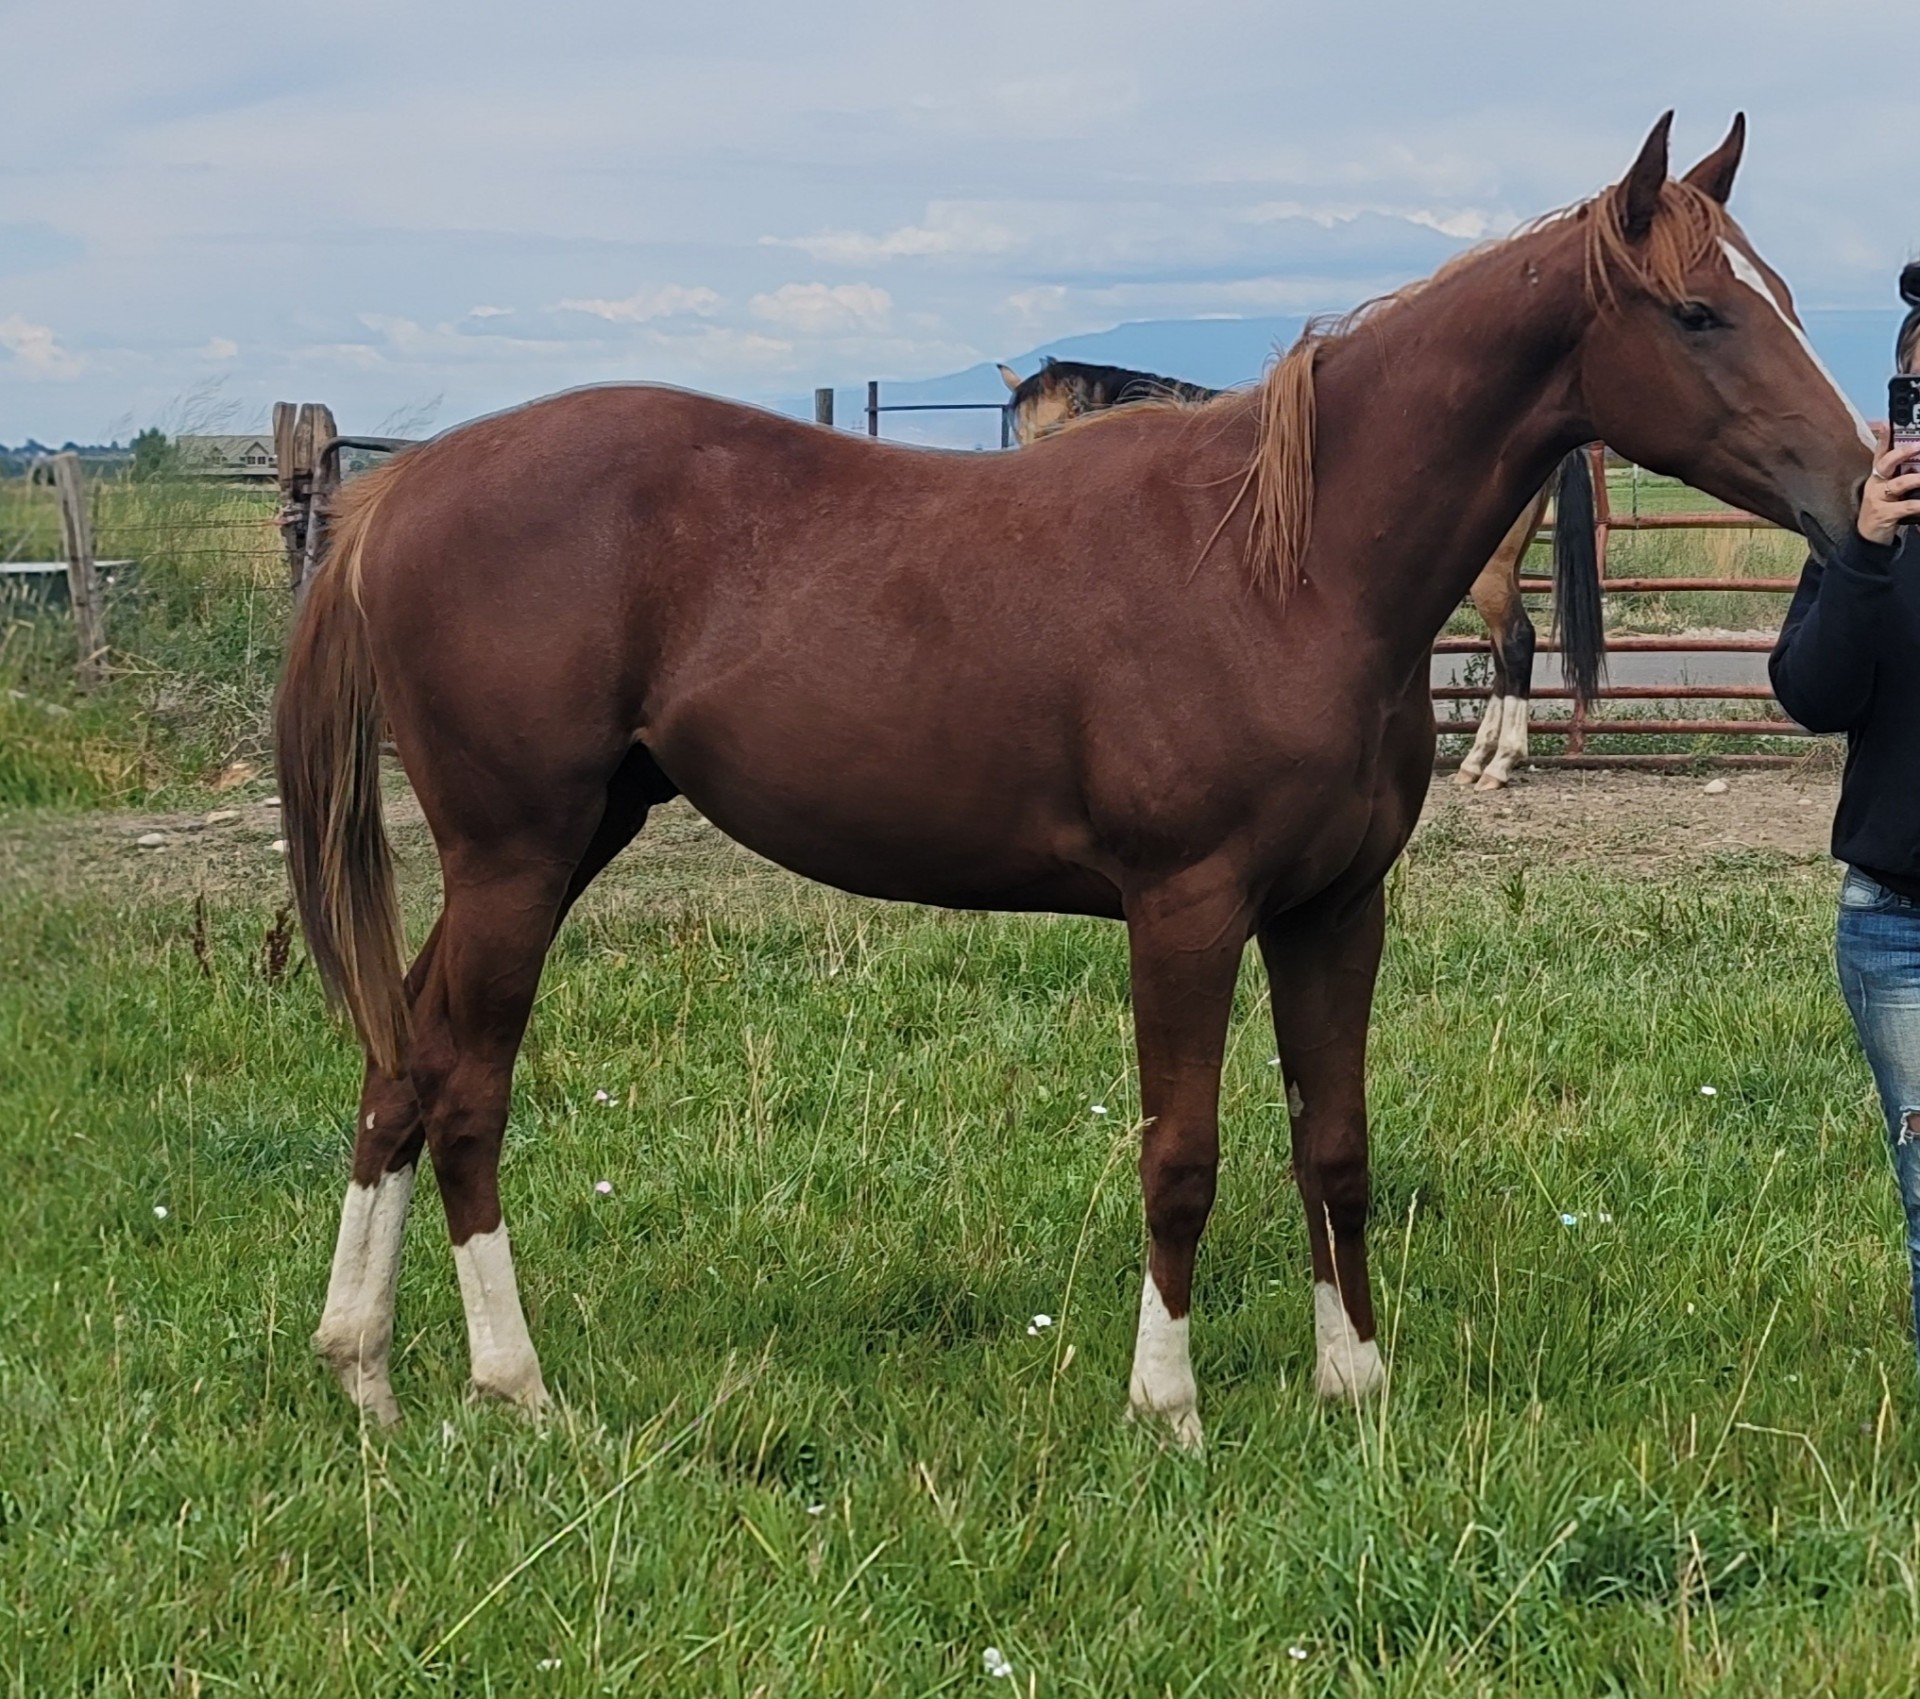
1580, 726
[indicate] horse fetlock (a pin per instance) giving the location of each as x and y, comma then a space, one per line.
514, 1380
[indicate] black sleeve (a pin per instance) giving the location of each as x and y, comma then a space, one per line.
1822, 667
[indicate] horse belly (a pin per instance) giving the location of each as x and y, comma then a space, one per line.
909, 819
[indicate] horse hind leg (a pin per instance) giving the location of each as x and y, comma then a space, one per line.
1502, 738
355, 1335
1510, 748
500, 920
1496, 600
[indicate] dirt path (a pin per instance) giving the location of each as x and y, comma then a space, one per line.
1639, 820
1642, 820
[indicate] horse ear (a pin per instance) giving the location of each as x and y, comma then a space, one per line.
1009, 377
1713, 176
1637, 198
1910, 283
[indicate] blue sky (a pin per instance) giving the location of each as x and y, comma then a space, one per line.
440, 210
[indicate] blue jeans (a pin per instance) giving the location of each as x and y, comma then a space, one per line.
1877, 950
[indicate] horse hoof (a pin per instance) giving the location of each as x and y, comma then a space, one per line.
365, 1384
1181, 1427
522, 1388
1464, 776
1490, 782
1353, 1375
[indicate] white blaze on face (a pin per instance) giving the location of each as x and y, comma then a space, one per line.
1750, 274
504, 1364
1162, 1384
1349, 1367
356, 1327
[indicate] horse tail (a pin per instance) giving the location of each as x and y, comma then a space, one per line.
1578, 618
327, 732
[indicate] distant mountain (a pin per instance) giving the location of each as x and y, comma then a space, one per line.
1856, 344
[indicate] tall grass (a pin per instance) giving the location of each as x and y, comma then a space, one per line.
195, 621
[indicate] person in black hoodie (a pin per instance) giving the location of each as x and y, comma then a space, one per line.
1848, 660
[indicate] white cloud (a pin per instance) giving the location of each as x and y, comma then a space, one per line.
35, 349
220, 348
671, 300
821, 309
1463, 223
950, 228
488, 312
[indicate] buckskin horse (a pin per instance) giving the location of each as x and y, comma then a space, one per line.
1065, 391
1205, 715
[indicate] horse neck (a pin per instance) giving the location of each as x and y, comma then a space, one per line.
1437, 424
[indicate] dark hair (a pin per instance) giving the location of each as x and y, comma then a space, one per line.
1904, 343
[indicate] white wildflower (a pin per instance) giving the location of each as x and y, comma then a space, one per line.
160, 1211
1099, 1109
1569, 1221
1297, 1653
604, 1188
1709, 1091
816, 1510
996, 1663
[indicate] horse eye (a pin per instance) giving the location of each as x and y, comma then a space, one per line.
1697, 315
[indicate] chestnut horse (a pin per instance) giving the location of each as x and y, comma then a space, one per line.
1205, 714
1063, 391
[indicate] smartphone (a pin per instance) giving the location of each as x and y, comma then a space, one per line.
1903, 417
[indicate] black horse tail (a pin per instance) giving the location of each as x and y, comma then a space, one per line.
1578, 619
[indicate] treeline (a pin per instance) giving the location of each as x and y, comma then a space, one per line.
150, 454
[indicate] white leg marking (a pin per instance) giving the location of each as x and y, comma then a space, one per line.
1484, 741
1750, 274
1513, 744
1349, 1367
1162, 1385
356, 1327
1296, 1104
504, 1364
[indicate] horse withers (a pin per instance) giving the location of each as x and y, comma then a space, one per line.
1208, 718
1062, 392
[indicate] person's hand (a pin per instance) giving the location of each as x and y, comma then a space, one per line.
1892, 495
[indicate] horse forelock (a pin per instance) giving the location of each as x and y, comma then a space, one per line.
1688, 227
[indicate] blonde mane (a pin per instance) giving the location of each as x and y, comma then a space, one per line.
1687, 225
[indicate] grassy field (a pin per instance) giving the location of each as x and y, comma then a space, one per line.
1652, 1410
1652, 1400
195, 622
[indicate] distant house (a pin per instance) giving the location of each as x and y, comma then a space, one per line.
226, 456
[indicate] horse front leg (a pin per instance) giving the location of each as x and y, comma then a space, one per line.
1322, 967
1185, 939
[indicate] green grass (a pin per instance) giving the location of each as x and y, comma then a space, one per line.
195, 623
808, 1446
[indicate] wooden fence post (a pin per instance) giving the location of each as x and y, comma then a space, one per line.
83, 586
300, 435
823, 407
